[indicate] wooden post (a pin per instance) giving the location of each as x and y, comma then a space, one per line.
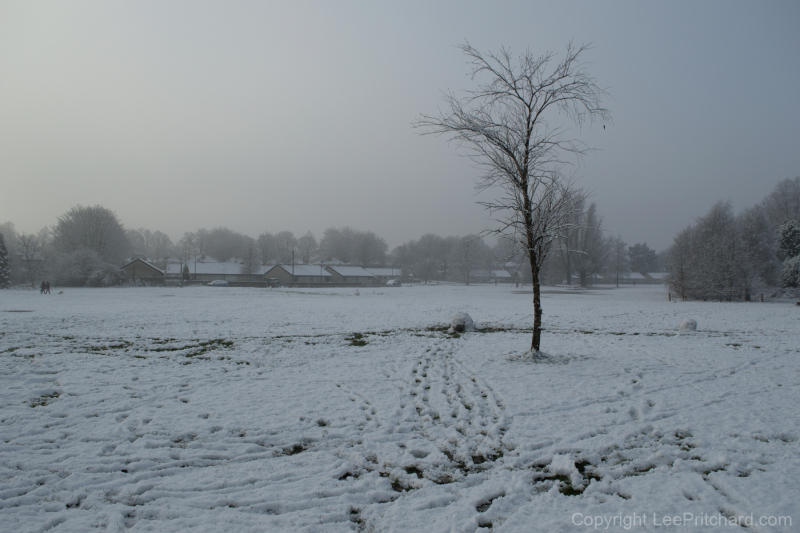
762, 297
669, 296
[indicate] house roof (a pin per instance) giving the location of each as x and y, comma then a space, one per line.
144, 263
490, 274
350, 271
212, 268
384, 272
302, 270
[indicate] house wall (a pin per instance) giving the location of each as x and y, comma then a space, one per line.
350, 279
279, 273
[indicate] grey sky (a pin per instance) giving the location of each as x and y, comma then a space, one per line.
270, 116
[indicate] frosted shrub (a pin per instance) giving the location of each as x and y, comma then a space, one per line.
107, 276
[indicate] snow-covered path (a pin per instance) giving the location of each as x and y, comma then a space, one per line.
299, 410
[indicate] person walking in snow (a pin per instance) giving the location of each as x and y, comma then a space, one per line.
41, 291
47, 288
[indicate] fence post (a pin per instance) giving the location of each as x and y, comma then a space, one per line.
762, 297
669, 296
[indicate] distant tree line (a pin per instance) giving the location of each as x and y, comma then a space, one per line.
89, 244
724, 256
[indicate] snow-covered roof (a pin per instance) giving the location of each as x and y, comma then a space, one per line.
384, 272
490, 274
212, 268
657, 275
350, 271
635, 275
143, 262
303, 270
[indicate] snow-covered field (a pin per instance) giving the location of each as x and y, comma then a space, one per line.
253, 410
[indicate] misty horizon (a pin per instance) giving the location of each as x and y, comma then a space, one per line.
260, 118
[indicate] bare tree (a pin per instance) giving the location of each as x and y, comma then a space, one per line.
619, 263
138, 245
147, 239
593, 248
679, 264
93, 228
30, 252
719, 258
286, 243
426, 253
369, 249
225, 244
783, 203
250, 257
161, 245
201, 240
513, 127
403, 256
266, 247
568, 241
307, 245
188, 245
338, 243
471, 254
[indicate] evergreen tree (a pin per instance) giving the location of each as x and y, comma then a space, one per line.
5, 271
185, 273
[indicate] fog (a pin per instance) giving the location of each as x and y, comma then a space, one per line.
297, 116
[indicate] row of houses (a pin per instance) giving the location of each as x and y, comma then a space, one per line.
333, 271
632, 278
237, 272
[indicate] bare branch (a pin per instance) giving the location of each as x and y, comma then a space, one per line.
513, 126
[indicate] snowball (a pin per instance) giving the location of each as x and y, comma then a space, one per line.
688, 324
462, 322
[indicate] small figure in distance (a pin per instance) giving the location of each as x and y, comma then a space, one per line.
42, 288
47, 288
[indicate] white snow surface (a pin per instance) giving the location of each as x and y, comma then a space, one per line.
259, 410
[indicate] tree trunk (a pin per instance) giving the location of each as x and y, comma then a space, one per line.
537, 308
569, 270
